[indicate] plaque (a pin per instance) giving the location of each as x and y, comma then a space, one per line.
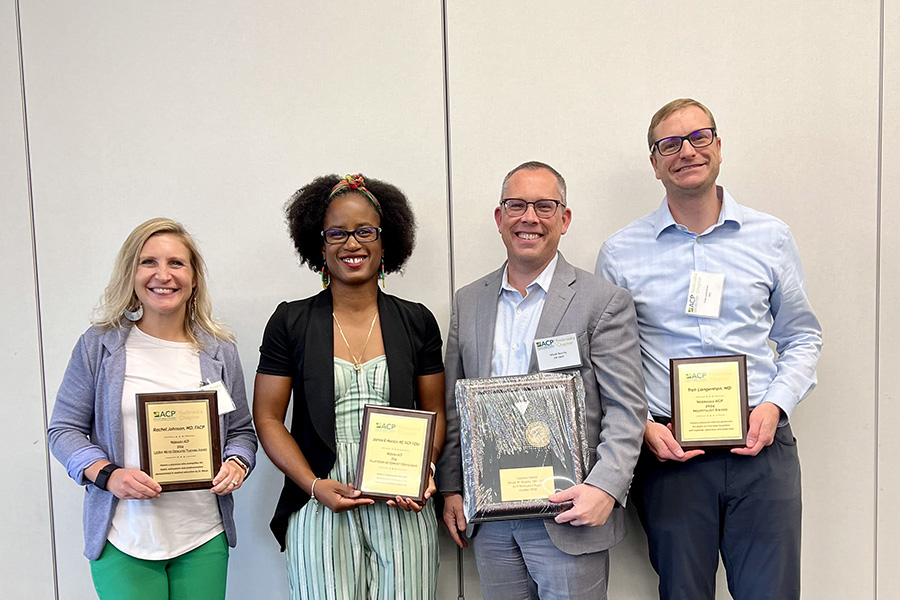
709, 401
395, 448
179, 439
522, 439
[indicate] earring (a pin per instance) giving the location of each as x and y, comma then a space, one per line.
382, 275
326, 278
193, 308
136, 314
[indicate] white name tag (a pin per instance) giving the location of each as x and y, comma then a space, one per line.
560, 352
705, 295
223, 398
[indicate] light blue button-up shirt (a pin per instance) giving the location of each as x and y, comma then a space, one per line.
517, 321
764, 298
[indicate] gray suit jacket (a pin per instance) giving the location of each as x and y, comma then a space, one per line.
603, 318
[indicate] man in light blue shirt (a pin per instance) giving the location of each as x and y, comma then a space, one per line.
536, 294
744, 502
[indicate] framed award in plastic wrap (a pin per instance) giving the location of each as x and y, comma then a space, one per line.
522, 439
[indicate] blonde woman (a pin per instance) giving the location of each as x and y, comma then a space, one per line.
154, 332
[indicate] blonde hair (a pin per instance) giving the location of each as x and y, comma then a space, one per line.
673, 107
119, 295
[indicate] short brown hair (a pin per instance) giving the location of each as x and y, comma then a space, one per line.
671, 108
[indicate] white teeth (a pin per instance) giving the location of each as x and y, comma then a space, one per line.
528, 236
162, 291
355, 260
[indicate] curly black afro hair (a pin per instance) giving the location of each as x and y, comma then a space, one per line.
305, 214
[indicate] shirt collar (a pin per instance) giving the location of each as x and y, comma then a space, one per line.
731, 211
543, 280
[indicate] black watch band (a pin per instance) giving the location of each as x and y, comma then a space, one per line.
103, 476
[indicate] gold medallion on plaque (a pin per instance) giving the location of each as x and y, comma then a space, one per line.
537, 434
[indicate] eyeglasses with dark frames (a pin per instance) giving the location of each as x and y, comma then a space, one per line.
363, 235
516, 207
672, 145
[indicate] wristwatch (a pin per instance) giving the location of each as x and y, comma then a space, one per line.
103, 475
241, 461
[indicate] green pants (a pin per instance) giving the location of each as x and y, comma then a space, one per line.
195, 575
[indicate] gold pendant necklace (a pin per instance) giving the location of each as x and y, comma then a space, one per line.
357, 363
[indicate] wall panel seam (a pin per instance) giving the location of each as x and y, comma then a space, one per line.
451, 258
447, 154
878, 242
37, 296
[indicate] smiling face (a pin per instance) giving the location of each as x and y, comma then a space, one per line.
691, 171
352, 263
164, 278
531, 242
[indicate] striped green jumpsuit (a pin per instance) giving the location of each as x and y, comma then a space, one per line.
372, 552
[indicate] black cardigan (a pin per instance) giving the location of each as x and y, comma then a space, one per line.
299, 343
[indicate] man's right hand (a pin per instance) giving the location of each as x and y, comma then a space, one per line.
454, 519
661, 442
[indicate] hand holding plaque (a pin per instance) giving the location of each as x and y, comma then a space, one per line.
709, 401
395, 453
179, 438
522, 439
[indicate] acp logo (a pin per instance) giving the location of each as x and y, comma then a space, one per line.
385, 426
544, 344
700, 375
692, 304
163, 414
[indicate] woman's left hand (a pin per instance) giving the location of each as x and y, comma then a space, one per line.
408, 504
230, 478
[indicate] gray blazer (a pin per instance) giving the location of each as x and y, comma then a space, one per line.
86, 425
603, 318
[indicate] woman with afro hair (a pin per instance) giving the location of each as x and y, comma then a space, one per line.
348, 346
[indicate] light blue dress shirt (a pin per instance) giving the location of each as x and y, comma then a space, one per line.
764, 298
517, 321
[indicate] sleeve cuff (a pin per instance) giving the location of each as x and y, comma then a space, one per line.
782, 397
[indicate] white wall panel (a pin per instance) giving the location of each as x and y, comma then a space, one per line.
888, 585
214, 114
26, 561
794, 87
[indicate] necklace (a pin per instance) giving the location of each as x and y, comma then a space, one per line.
357, 363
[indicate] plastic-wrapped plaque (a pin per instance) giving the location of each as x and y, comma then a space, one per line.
522, 439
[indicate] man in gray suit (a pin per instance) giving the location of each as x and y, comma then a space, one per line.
496, 319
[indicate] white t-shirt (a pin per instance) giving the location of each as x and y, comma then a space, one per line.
176, 522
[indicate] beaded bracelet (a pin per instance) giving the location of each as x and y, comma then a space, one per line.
312, 488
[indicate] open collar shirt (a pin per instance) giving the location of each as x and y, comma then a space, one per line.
517, 321
764, 298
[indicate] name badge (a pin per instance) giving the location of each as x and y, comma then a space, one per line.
223, 398
560, 352
705, 295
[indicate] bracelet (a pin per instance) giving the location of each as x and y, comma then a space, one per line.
240, 461
433, 470
312, 488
